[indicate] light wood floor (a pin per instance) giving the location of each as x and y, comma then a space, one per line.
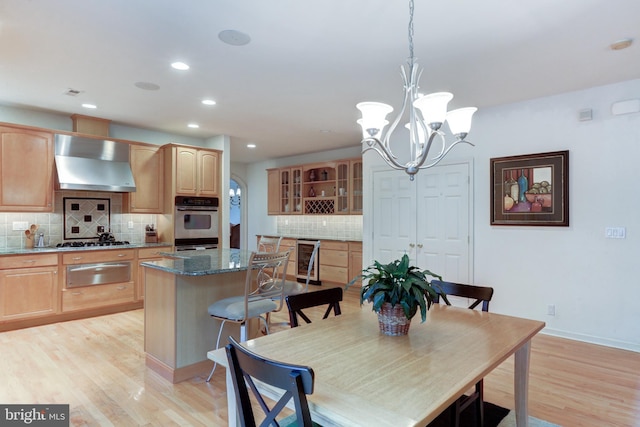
97, 366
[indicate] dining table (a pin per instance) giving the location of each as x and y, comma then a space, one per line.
366, 378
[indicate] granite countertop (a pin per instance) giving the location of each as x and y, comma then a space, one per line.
202, 262
292, 236
53, 249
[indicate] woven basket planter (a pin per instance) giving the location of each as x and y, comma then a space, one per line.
392, 321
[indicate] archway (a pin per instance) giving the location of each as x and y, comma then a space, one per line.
235, 214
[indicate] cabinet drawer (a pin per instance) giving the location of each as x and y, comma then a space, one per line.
289, 245
334, 274
152, 252
89, 257
355, 246
334, 245
331, 257
97, 296
22, 261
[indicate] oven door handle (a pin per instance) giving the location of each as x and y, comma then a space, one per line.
196, 208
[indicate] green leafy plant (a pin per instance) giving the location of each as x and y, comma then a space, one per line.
399, 283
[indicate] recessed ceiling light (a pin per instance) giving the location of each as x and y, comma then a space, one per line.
234, 38
89, 106
180, 66
621, 44
251, 145
146, 86
193, 125
208, 102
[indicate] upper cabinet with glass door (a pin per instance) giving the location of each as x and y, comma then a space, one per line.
355, 185
315, 189
291, 190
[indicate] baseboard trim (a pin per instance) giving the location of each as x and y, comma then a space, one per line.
623, 345
178, 374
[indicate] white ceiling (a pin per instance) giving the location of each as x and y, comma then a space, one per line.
294, 87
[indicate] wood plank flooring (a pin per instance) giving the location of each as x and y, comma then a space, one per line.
97, 366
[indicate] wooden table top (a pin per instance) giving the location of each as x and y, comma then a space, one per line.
363, 377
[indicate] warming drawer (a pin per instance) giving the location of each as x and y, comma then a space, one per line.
98, 274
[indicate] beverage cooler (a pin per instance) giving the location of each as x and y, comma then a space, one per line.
304, 252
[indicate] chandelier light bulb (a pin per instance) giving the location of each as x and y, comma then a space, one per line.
433, 107
460, 120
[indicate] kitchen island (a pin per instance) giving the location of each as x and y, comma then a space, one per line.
178, 331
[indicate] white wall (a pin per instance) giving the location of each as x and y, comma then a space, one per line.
591, 280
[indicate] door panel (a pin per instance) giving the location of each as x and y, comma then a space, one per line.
428, 219
394, 215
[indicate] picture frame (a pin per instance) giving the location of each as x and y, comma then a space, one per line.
531, 189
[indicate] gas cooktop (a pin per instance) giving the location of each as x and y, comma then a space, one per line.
90, 243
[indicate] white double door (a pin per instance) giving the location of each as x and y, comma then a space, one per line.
428, 219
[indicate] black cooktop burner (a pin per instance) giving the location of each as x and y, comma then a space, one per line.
91, 243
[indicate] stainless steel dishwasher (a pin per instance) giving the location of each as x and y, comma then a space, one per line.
98, 274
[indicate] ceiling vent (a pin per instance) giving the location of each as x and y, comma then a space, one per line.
73, 92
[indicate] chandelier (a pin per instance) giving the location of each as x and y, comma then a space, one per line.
426, 116
234, 197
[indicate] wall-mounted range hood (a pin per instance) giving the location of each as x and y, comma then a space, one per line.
93, 164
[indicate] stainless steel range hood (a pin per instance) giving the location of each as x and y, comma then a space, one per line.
93, 164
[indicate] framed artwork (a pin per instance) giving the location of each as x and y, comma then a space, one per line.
531, 189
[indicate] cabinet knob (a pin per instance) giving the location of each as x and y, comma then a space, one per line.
412, 245
420, 245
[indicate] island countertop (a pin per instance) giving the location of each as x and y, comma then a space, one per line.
201, 262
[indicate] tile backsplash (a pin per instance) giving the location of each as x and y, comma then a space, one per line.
333, 227
52, 224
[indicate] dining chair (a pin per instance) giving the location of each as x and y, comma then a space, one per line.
296, 303
263, 294
296, 381
479, 295
269, 244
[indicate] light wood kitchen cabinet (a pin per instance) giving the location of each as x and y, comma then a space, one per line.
196, 171
26, 170
355, 261
28, 286
147, 164
88, 297
290, 245
144, 255
273, 191
334, 261
316, 188
97, 296
355, 187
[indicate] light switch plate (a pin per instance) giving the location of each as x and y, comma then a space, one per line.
615, 232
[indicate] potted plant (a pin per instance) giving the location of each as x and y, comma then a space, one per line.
396, 291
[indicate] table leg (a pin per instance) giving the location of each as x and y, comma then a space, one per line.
521, 384
232, 413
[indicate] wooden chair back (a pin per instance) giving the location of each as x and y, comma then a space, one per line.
481, 294
296, 303
246, 366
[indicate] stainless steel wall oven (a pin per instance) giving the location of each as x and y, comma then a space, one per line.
304, 252
196, 223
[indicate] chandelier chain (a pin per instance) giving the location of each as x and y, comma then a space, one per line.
410, 32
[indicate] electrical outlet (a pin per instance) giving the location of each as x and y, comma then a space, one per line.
130, 225
324, 222
20, 225
551, 310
